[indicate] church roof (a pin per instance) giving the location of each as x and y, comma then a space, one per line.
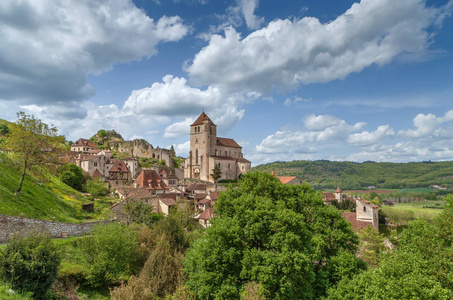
227, 142
203, 117
338, 190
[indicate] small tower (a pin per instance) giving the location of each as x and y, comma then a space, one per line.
338, 194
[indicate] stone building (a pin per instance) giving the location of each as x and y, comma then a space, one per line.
207, 150
83, 146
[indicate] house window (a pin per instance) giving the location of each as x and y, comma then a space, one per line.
95, 164
229, 166
364, 208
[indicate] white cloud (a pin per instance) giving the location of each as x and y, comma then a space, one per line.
295, 100
178, 129
49, 47
182, 149
248, 10
428, 126
321, 130
367, 138
288, 53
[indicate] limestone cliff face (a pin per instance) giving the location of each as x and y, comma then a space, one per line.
142, 148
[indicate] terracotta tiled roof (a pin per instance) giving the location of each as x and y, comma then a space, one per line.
137, 193
203, 117
215, 196
204, 201
119, 166
196, 187
95, 174
328, 197
206, 215
151, 180
87, 156
199, 196
338, 190
84, 142
168, 201
357, 225
227, 142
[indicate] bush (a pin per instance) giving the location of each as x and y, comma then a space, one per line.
96, 188
30, 263
108, 253
71, 175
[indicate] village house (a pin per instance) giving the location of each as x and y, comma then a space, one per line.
152, 181
366, 214
288, 179
84, 146
337, 196
207, 151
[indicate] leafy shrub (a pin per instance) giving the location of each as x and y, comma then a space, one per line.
30, 263
108, 253
71, 175
96, 188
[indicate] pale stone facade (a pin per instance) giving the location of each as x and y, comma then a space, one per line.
367, 212
207, 150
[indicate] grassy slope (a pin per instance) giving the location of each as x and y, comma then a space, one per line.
51, 200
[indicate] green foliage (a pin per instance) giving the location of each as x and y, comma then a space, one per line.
162, 247
4, 129
35, 145
324, 174
107, 253
216, 173
371, 245
72, 175
281, 237
420, 268
30, 263
96, 188
102, 133
177, 161
141, 213
48, 200
7, 293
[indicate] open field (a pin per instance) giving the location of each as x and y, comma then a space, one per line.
404, 212
370, 191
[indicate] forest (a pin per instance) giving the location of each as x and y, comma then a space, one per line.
324, 174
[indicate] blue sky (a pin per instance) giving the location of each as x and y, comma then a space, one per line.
288, 80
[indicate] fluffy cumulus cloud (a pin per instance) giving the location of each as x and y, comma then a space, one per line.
287, 53
327, 137
49, 47
367, 138
319, 131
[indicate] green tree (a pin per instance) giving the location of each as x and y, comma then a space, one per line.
4, 129
107, 253
371, 245
420, 268
96, 188
30, 263
71, 175
281, 237
216, 174
34, 143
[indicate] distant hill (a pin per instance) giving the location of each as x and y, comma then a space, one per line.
324, 174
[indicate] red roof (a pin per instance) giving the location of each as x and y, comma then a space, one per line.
203, 117
96, 174
204, 201
328, 197
283, 180
168, 201
151, 180
214, 196
357, 225
119, 166
137, 193
206, 215
227, 142
338, 190
196, 187
84, 142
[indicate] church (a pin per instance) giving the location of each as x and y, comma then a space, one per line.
207, 150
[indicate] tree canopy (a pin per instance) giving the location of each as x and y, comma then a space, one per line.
34, 144
281, 237
420, 268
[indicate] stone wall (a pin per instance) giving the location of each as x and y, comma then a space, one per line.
142, 148
11, 224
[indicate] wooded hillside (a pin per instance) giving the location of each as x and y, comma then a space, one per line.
324, 174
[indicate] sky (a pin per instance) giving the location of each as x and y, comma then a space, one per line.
288, 80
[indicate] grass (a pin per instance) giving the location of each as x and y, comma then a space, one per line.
7, 293
418, 190
405, 212
47, 199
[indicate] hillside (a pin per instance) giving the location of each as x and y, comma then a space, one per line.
48, 200
324, 174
